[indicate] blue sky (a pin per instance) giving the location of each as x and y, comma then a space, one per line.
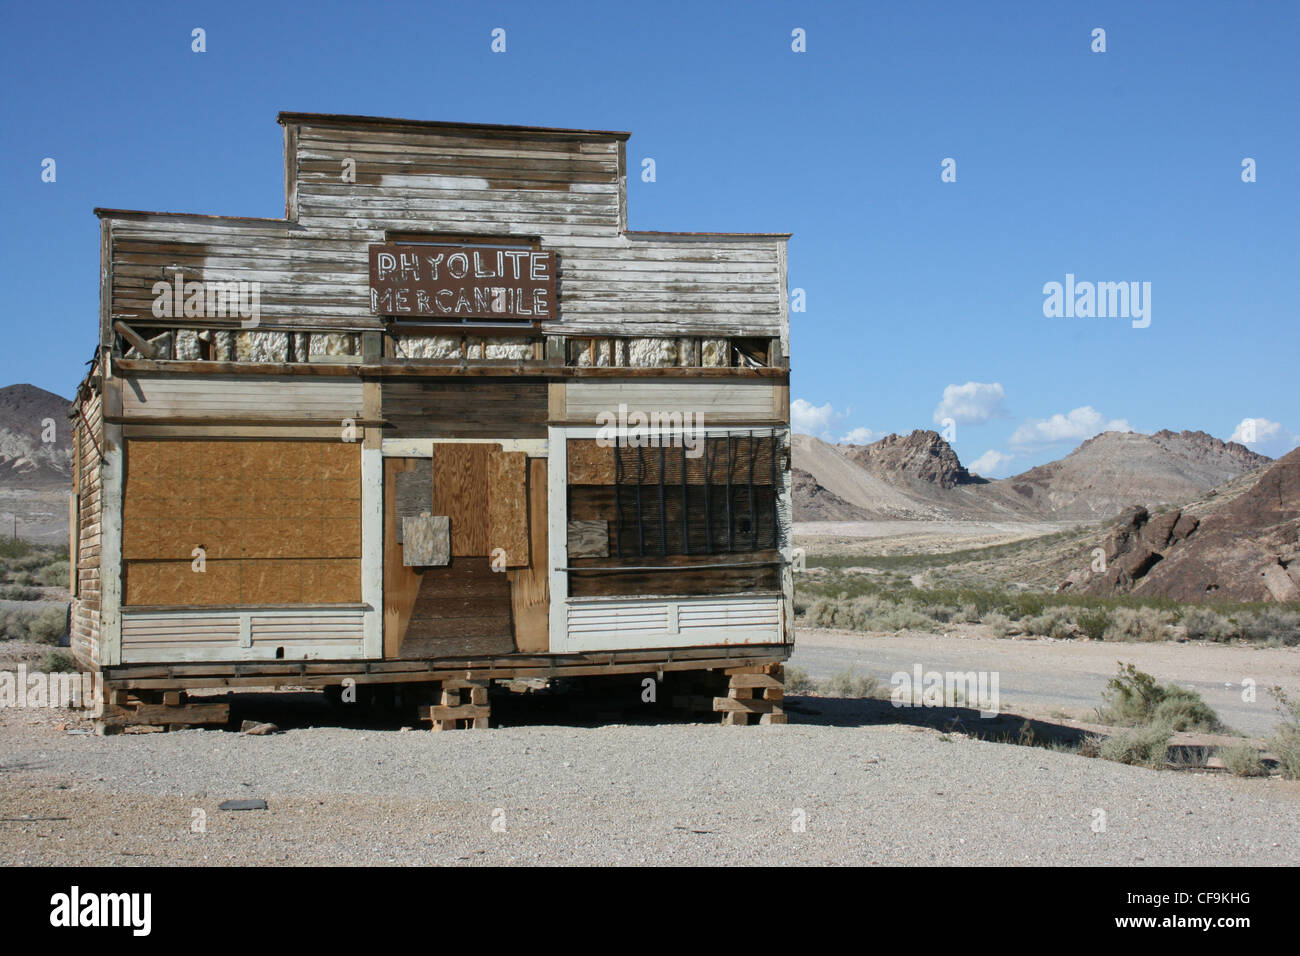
1122, 166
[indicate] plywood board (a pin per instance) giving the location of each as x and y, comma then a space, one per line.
257, 509
426, 541
401, 584
590, 463
508, 508
589, 538
460, 484
529, 590
414, 491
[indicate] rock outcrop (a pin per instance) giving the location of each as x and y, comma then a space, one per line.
1247, 549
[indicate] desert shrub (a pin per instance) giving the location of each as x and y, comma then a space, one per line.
850, 684
1285, 742
1183, 709
1242, 760
868, 613
1273, 625
57, 662
11, 548
797, 681
998, 622
1133, 699
1057, 622
54, 575
31, 560
1094, 622
18, 592
45, 626
1138, 624
1138, 746
1204, 624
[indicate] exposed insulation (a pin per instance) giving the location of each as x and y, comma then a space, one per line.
427, 346
651, 353
260, 346
333, 343
507, 348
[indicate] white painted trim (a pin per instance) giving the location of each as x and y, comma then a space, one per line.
423, 447
199, 634
638, 632
557, 536
372, 549
110, 546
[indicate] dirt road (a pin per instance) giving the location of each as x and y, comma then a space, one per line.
1043, 677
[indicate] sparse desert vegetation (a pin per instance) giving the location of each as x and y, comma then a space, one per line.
32, 574
1011, 588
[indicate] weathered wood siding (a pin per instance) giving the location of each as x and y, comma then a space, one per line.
564, 189
85, 630
243, 398
459, 408
715, 402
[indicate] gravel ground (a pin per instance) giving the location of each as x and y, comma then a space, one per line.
671, 793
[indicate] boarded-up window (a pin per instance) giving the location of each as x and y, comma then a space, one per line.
277, 522
717, 496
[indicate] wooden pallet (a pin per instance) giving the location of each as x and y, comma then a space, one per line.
754, 691
166, 711
464, 705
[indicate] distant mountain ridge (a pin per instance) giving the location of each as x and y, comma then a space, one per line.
27, 460
920, 476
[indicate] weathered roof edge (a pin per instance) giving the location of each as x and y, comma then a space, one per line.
104, 212
656, 234
285, 118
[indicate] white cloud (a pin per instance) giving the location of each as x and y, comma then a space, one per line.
858, 436
972, 403
1255, 431
992, 464
810, 419
1076, 425
1265, 437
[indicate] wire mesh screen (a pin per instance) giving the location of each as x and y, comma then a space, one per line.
719, 496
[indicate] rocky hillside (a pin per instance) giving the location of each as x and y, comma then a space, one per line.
1116, 470
1246, 548
27, 460
920, 460
920, 476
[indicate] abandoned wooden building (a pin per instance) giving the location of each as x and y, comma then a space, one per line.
447, 422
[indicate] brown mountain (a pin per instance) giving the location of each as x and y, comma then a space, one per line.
29, 417
920, 476
1116, 470
1243, 547
919, 460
